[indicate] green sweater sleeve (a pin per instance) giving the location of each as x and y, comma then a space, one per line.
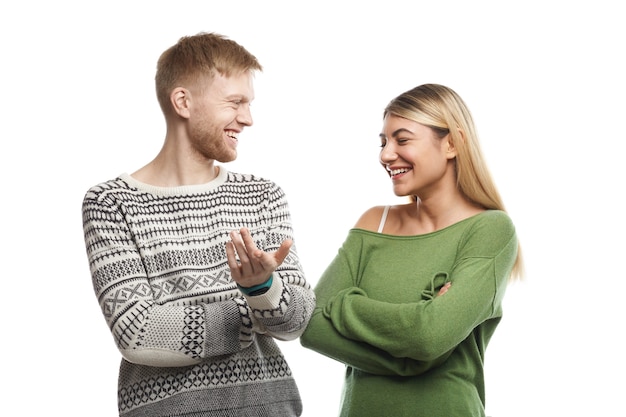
322, 336
411, 337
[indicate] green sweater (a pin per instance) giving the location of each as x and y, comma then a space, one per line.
408, 351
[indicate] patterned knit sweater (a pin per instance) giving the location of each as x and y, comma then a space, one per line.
192, 343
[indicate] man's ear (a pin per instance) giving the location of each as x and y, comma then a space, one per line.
180, 98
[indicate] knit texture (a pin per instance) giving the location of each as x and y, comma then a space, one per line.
408, 351
192, 343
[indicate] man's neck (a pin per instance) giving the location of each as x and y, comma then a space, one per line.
175, 171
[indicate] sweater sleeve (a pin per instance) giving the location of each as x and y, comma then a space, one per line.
286, 308
425, 331
324, 336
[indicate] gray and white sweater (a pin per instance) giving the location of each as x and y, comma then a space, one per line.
192, 343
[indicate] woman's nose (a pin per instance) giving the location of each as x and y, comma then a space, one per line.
387, 154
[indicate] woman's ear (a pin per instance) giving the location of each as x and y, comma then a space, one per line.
452, 151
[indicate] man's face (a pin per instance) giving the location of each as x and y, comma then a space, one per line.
218, 113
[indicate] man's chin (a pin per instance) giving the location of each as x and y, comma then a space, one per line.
227, 158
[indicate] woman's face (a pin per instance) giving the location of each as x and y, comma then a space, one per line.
417, 161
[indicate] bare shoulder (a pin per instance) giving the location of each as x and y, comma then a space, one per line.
370, 219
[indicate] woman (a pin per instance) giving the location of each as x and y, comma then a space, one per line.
415, 293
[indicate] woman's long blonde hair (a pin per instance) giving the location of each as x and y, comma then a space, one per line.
443, 110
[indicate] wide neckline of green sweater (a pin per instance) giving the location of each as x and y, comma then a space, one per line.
460, 223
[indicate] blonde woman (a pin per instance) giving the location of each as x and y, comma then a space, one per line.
415, 293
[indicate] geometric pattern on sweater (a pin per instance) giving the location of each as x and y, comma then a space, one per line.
158, 264
138, 264
207, 375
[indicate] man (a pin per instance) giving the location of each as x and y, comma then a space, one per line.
194, 266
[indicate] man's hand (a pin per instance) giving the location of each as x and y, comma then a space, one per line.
254, 266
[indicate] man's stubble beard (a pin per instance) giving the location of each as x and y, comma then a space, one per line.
208, 142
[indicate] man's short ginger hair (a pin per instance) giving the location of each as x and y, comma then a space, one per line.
198, 56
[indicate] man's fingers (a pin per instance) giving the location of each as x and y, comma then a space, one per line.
283, 251
247, 240
231, 258
237, 240
253, 260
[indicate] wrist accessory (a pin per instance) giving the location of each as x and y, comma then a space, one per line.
257, 289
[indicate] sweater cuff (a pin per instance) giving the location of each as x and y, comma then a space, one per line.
270, 300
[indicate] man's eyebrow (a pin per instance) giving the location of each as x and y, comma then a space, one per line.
239, 97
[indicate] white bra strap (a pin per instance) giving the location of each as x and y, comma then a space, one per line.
383, 219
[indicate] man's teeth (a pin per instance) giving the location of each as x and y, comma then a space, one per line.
398, 171
232, 135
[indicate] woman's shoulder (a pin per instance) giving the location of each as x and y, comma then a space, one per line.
495, 218
491, 227
373, 217
370, 219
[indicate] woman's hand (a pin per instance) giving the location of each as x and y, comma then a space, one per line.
254, 266
444, 289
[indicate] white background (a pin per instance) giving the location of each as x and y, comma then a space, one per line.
545, 82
